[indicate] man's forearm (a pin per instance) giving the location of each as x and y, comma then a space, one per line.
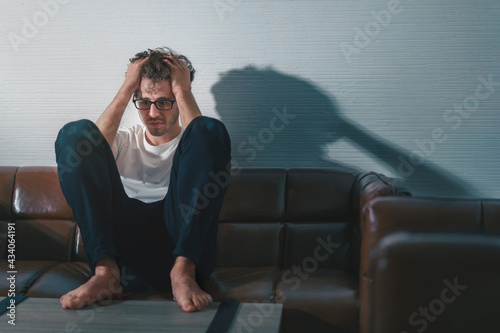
110, 119
188, 108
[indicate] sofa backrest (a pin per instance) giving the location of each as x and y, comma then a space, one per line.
275, 217
383, 216
270, 217
44, 224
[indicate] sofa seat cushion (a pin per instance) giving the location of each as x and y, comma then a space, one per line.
60, 279
27, 274
325, 299
149, 296
244, 284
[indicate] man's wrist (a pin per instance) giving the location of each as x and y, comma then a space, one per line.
127, 90
184, 94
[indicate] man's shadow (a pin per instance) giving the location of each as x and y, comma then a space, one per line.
280, 121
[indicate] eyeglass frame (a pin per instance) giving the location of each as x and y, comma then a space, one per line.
151, 103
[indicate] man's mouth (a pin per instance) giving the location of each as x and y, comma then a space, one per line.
155, 123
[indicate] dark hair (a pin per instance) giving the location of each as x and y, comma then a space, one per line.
155, 68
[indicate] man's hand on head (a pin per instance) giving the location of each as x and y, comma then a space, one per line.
181, 75
181, 88
133, 76
109, 121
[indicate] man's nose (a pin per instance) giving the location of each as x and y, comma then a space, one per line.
153, 111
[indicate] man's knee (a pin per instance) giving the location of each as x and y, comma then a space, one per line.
80, 135
209, 129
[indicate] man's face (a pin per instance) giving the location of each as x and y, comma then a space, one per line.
158, 122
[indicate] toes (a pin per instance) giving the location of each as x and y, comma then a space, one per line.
187, 305
67, 300
189, 296
208, 302
198, 303
89, 293
72, 304
61, 300
202, 301
189, 308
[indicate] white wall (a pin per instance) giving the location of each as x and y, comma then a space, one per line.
386, 86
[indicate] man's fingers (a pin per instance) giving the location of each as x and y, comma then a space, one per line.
174, 60
169, 62
139, 62
143, 59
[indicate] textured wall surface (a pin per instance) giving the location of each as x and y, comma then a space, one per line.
407, 88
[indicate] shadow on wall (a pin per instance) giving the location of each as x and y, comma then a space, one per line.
280, 121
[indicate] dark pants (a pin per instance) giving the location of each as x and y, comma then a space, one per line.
145, 238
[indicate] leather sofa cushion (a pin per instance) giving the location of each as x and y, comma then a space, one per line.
27, 273
249, 244
388, 214
149, 296
326, 300
7, 177
319, 195
3, 239
255, 195
37, 195
44, 239
242, 284
60, 279
410, 274
383, 216
324, 245
491, 216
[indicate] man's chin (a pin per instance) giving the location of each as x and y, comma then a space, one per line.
158, 131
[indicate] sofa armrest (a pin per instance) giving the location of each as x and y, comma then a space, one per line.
435, 282
368, 186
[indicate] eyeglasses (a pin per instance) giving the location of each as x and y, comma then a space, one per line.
161, 104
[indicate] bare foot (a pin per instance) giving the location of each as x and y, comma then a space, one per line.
104, 285
186, 290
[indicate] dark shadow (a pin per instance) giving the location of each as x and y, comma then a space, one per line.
280, 121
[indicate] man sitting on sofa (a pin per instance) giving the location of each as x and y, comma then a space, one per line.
146, 198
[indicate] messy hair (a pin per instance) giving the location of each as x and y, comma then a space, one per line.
155, 68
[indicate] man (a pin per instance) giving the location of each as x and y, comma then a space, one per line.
139, 195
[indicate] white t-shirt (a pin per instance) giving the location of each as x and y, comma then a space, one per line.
144, 169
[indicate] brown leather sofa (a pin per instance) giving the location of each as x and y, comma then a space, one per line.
285, 236
430, 265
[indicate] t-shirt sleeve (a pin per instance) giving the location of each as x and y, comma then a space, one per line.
122, 140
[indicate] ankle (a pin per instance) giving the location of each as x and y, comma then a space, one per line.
184, 268
107, 266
